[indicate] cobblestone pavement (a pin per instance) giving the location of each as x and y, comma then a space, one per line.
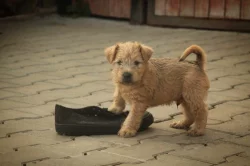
52, 60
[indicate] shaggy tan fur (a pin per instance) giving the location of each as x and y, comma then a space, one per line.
144, 82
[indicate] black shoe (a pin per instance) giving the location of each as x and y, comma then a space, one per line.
92, 120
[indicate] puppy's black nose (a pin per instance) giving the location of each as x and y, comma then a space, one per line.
127, 77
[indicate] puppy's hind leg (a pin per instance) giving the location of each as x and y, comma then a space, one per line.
188, 118
195, 99
201, 113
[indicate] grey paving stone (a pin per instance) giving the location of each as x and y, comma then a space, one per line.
235, 93
8, 94
8, 104
243, 86
39, 110
244, 77
226, 83
243, 103
94, 158
76, 161
35, 88
6, 85
6, 115
93, 99
144, 151
164, 159
76, 147
59, 94
244, 141
230, 61
26, 155
144, 135
21, 140
236, 160
78, 80
165, 125
221, 72
239, 125
209, 153
226, 112
215, 98
23, 125
184, 140
30, 79
163, 112
22, 64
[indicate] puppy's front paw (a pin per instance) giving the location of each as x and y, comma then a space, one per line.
127, 132
195, 132
116, 109
179, 125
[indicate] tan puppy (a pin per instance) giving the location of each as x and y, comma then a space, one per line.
143, 82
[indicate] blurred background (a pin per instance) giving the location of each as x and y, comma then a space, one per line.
208, 14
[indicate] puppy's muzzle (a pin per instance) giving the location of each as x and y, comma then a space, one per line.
127, 77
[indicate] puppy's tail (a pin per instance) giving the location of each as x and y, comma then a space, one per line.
200, 53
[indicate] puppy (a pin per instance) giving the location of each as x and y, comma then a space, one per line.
143, 82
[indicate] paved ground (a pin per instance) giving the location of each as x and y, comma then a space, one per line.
60, 60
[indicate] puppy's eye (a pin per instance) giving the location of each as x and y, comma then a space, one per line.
119, 62
136, 63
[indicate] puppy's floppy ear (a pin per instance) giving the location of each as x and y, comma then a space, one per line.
110, 52
146, 51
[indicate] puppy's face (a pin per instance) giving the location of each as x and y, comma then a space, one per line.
129, 61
